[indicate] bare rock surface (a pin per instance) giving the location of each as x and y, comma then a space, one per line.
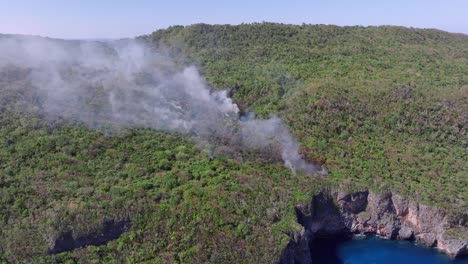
384, 214
109, 230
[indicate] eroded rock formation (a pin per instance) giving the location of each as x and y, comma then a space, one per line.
110, 230
384, 214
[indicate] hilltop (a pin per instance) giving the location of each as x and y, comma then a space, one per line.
382, 108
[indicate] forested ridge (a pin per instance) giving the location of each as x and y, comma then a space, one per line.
384, 108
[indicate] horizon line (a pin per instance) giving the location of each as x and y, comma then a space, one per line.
106, 39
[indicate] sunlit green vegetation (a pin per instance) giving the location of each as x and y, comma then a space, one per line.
380, 107
185, 205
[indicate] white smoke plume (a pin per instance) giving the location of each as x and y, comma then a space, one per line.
126, 83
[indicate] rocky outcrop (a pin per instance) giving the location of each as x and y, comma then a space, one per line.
298, 249
110, 230
384, 214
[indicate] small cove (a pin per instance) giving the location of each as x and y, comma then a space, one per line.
374, 250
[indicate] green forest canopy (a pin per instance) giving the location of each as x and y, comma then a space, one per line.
380, 107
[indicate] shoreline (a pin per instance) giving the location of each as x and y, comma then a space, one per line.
386, 215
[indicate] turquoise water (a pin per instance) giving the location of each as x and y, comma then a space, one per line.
374, 250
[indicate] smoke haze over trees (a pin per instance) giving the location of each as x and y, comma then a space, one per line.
84, 140
126, 84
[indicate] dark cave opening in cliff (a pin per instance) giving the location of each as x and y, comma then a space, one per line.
324, 248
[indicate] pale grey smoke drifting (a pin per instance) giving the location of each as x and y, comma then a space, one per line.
125, 83
261, 133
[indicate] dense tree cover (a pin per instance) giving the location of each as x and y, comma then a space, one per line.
384, 107
184, 204
380, 107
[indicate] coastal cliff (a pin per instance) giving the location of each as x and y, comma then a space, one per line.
335, 213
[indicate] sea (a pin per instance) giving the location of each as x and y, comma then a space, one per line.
374, 250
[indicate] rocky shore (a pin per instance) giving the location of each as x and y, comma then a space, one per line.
335, 213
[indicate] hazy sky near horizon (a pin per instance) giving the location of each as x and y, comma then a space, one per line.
125, 18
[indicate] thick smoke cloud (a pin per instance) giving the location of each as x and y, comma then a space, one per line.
127, 84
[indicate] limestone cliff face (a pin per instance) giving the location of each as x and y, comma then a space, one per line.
109, 230
384, 214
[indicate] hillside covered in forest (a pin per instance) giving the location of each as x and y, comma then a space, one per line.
381, 108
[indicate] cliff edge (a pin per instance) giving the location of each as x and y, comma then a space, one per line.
386, 214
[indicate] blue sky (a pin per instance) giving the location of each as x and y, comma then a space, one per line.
119, 18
